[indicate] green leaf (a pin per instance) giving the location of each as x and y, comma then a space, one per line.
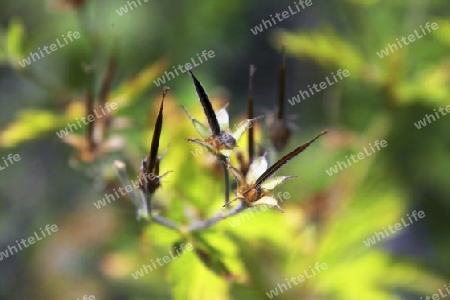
430, 86
129, 90
14, 46
200, 274
191, 280
348, 259
220, 254
443, 34
325, 47
29, 125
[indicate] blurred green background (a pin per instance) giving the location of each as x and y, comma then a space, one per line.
326, 219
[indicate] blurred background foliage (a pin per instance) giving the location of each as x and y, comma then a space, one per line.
326, 219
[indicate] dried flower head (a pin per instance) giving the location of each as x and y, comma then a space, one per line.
217, 137
279, 133
255, 188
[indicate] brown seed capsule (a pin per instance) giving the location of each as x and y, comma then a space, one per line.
216, 137
279, 129
149, 178
279, 134
254, 188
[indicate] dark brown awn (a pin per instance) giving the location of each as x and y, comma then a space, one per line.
149, 178
219, 137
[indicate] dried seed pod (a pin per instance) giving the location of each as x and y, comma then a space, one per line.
149, 178
279, 128
217, 137
254, 188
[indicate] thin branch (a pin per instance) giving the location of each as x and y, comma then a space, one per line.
282, 84
165, 222
227, 182
200, 225
138, 198
144, 212
251, 130
220, 216
89, 109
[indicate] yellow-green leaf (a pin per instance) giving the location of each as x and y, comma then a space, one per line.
324, 47
29, 125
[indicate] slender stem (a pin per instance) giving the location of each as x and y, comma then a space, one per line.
282, 84
227, 182
165, 222
200, 225
220, 216
138, 198
251, 131
89, 109
144, 212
